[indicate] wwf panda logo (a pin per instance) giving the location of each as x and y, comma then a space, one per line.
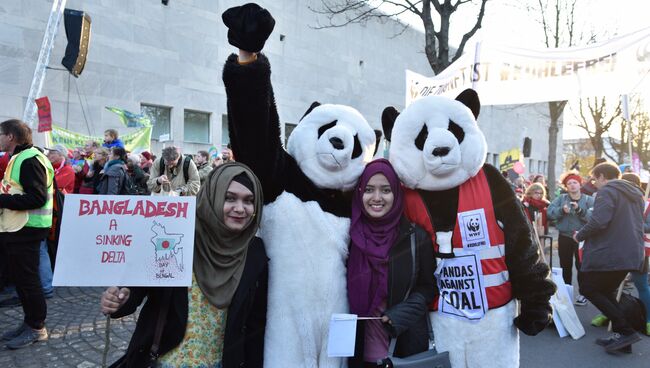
473, 225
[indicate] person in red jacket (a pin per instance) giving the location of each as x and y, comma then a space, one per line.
63, 173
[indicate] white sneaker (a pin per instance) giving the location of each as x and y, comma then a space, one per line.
580, 300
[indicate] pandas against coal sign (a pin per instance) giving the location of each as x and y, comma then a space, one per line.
462, 292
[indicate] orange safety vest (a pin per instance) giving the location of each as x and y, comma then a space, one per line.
472, 194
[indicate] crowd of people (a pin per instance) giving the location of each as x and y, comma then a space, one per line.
229, 312
39, 185
391, 264
613, 225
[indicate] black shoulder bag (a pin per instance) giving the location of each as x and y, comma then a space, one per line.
426, 359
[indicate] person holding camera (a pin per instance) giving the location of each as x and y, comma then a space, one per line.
571, 211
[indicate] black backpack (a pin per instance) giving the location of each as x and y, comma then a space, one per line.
129, 187
186, 167
634, 311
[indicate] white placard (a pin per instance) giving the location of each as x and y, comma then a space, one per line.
462, 291
557, 279
125, 241
342, 334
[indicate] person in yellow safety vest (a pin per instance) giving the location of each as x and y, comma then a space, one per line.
26, 198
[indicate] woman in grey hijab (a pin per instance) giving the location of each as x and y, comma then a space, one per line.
220, 320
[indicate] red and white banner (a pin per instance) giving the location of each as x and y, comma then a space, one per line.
44, 114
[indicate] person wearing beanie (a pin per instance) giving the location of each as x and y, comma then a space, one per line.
146, 161
571, 211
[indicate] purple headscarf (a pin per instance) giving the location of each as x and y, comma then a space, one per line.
371, 240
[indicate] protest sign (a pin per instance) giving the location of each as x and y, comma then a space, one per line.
507, 159
563, 308
513, 75
461, 285
44, 114
125, 241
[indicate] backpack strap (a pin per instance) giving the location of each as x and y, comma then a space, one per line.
161, 171
154, 352
186, 168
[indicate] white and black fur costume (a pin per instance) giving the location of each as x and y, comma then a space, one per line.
436, 146
306, 222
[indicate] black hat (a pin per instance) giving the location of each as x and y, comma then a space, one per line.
249, 26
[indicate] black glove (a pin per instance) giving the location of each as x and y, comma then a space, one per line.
533, 319
249, 26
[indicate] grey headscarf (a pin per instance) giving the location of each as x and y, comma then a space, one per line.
220, 253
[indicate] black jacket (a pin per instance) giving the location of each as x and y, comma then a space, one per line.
614, 233
34, 181
408, 317
245, 323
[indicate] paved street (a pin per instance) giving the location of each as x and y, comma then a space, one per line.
77, 331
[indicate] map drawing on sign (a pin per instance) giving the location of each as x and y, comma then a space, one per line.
168, 250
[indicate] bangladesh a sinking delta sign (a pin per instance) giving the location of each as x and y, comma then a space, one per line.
125, 241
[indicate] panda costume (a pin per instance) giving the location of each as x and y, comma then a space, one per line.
486, 255
306, 222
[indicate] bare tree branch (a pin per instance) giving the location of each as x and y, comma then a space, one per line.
471, 33
340, 13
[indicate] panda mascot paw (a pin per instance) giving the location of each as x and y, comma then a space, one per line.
249, 26
533, 318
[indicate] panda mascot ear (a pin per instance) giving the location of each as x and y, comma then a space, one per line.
388, 120
469, 98
314, 105
377, 140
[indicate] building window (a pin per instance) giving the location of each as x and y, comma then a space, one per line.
197, 126
495, 160
288, 129
160, 118
225, 133
531, 165
540, 167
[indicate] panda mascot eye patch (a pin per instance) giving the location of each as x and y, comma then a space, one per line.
454, 128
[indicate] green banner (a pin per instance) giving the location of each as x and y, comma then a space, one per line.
130, 119
138, 141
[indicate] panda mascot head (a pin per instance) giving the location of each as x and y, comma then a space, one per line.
435, 142
332, 144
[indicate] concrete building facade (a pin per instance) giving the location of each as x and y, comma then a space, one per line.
166, 60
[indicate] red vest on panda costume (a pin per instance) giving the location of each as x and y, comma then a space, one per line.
473, 194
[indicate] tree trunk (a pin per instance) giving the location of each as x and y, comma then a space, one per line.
555, 109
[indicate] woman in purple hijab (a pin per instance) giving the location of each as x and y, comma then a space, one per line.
380, 270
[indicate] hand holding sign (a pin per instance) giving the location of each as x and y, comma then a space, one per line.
113, 299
